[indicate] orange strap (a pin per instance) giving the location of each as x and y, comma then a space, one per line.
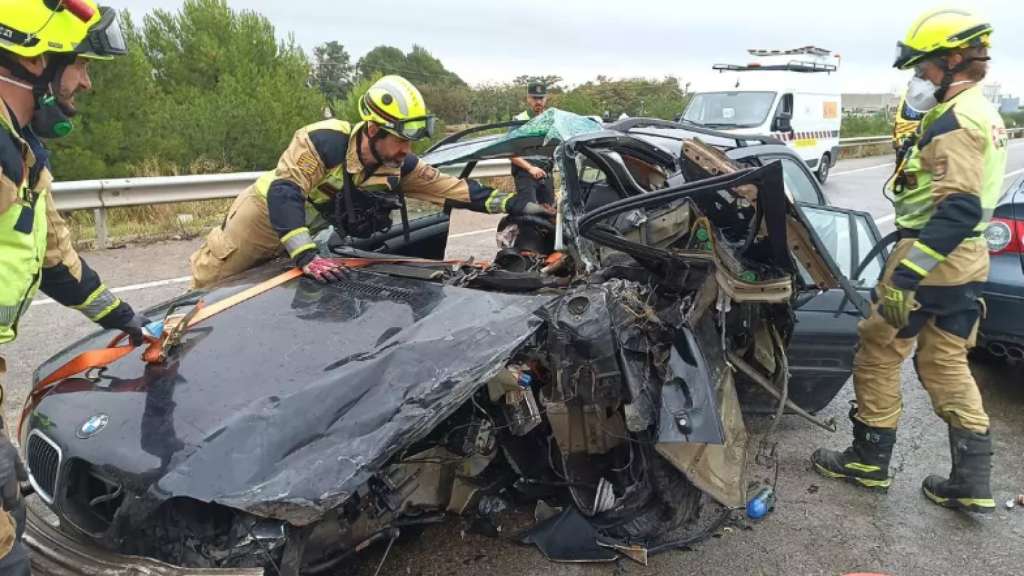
114, 352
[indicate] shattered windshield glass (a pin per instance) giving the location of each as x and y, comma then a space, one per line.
552, 126
730, 109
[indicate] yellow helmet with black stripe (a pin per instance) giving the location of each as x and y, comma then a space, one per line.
941, 29
31, 28
398, 107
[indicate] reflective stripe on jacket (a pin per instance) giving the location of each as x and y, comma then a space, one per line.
948, 186
310, 175
36, 252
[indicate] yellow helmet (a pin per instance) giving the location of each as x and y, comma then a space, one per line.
31, 28
943, 28
398, 107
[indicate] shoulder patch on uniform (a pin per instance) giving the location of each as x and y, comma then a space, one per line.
999, 137
307, 163
427, 173
940, 168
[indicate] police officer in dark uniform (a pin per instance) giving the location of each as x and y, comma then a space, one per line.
533, 173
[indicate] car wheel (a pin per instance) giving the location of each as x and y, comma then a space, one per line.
823, 167
669, 501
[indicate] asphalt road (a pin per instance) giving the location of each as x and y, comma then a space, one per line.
819, 527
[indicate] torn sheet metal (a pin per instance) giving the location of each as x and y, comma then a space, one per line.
55, 554
568, 537
689, 406
718, 469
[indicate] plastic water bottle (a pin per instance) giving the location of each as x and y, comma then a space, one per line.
762, 503
525, 380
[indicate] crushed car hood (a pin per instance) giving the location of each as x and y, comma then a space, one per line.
304, 376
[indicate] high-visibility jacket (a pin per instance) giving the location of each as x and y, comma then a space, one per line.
304, 191
35, 244
948, 186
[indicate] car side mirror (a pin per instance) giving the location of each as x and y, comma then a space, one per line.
783, 123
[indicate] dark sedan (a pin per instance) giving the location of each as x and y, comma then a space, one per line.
1002, 331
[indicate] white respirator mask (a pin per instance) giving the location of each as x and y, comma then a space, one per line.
921, 93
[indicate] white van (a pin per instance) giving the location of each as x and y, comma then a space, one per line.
792, 95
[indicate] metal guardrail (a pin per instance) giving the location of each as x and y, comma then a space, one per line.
98, 195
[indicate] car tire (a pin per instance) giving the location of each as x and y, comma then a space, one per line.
669, 501
823, 167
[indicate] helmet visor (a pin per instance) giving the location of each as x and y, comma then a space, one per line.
413, 128
106, 38
905, 55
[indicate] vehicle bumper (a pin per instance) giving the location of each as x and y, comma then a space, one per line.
1004, 301
56, 554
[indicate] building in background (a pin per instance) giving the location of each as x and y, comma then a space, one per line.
870, 104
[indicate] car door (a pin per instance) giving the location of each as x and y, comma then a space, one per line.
825, 338
802, 185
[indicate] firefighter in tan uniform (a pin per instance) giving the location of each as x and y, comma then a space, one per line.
353, 177
945, 191
44, 57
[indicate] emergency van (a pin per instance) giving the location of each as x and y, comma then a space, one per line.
792, 95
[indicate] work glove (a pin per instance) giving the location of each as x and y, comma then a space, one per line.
133, 327
897, 304
323, 270
12, 473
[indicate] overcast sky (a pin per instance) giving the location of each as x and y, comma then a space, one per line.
579, 39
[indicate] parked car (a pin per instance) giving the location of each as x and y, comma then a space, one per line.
1001, 333
308, 422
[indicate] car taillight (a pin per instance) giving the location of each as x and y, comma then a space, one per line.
1003, 235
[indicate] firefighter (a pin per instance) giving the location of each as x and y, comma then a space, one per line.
351, 176
929, 294
44, 59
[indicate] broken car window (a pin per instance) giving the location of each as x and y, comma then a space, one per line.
798, 183
833, 227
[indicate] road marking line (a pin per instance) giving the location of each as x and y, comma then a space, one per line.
891, 217
1014, 173
473, 233
131, 288
875, 167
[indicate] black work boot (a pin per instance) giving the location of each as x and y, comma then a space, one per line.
968, 485
865, 463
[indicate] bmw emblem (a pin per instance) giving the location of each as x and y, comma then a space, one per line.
92, 426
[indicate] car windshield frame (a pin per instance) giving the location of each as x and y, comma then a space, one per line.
693, 116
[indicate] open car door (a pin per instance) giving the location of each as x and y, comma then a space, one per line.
825, 339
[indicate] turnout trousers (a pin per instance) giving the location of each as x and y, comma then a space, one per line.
944, 329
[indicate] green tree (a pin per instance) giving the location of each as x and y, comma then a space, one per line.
380, 61
333, 71
551, 81
115, 124
418, 66
205, 81
450, 102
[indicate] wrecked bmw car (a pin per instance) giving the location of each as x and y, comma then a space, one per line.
612, 361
